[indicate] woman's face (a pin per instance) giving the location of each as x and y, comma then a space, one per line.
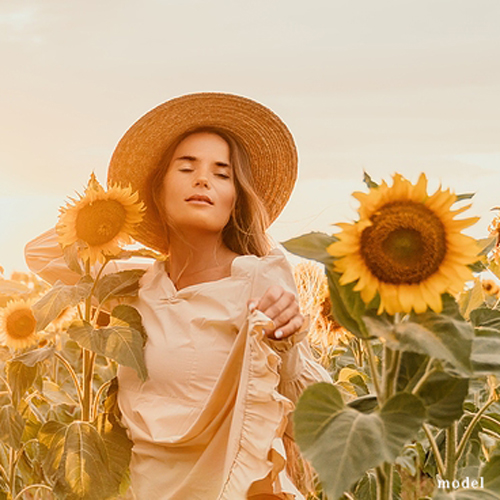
198, 188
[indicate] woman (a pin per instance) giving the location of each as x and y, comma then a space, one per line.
226, 351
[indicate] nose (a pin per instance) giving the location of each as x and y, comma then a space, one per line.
201, 180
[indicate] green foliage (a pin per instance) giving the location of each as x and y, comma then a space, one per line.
342, 443
370, 183
443, 396
121, 284
55, 430
83, 471
446, 336
433, 369
59, 298
122, 344
22, 371
11, 426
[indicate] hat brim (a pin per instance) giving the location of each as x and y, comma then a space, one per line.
266, 139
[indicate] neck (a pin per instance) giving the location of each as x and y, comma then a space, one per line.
193, 256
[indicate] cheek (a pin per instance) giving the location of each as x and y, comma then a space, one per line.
230, 198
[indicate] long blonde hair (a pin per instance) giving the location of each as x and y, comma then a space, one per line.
245, 233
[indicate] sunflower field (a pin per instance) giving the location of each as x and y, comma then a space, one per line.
413, 347
404, 311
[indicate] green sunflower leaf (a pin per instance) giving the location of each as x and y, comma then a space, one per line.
369, 181
51, 437
348, 309
125, 315
443, 396
446, 336
491, 473
486, 245
464, 196
471, 299
120, 284
20, 378
122, 344
494, 267
71, 257
11, 426
342, 443
59, 298
366, 487
486, 344
83, 472
312, 246
118, 447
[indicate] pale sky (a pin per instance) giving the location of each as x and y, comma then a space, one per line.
385, 86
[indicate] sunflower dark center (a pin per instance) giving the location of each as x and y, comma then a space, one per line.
20, 324
99, 222
405, 244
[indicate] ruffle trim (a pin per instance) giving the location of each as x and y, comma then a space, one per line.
261, 451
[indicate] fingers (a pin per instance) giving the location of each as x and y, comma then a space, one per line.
278, 304
282, 307
292, 327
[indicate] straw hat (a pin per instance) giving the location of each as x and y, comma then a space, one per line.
265, 138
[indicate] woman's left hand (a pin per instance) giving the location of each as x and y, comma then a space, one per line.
282, 307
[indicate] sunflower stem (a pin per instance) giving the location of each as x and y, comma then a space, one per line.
3, 473
12, 471
88, 371
373, 369
99, 273
386, 361
17, 456
394, 374
384, 481
470, 427
435, 450
424, 377
19, 496
73, 375
451, 455
391, 365
88, 361
98, 397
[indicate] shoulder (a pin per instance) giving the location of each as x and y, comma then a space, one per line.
253, 263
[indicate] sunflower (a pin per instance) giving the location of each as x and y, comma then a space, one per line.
103, 220
18, 325
406, 246
490, 287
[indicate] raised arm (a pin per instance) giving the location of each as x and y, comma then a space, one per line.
45, 258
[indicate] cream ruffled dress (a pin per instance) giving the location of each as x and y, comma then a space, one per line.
208, 423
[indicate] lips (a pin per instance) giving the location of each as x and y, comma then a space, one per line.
200, 197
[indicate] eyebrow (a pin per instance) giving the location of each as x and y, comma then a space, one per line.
193, 158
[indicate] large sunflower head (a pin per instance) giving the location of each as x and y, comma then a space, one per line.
102, 220
406, 246
18, 325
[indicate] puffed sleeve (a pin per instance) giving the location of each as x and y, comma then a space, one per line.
299, 369
45, 258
